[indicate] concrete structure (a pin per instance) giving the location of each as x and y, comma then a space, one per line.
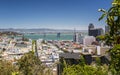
86, 40
94, 31
98, 50
77, 37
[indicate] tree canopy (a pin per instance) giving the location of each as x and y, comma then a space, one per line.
113, 37
29, 64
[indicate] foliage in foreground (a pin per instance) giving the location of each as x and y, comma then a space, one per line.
29, 64
6, 68
112, 17
85, 70
115, 59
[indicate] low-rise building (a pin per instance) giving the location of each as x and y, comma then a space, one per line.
87, 40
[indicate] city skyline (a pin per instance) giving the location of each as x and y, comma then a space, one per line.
52, 14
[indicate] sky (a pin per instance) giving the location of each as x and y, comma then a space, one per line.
53, 14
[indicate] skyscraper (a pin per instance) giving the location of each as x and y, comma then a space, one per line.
94, 31
91, 26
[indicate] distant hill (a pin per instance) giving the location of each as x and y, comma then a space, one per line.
42, 30
9, 33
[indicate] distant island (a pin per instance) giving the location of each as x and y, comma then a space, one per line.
10, 33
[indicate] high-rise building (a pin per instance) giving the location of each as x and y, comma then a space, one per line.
76, 37
91, 26
94, 31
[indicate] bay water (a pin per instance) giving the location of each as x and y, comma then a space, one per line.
49, 36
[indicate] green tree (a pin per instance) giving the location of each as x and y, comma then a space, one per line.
115, 59
85, 70
101, 37
113, 37
113, 21
6, 68
29, 64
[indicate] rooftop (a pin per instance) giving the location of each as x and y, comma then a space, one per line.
70, 55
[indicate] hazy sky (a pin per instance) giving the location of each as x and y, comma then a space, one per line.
55, 14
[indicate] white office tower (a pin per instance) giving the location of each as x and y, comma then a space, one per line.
87, 40
98, 50
77, 37
81, 37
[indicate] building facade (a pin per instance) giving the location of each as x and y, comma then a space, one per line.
87, 40
94, 31
77, 37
